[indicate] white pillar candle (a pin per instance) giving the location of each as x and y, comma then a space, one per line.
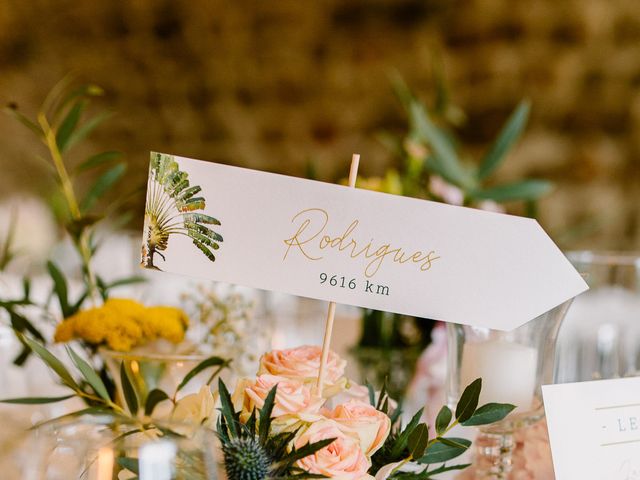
508, 371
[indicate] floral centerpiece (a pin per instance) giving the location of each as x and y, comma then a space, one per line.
277, 425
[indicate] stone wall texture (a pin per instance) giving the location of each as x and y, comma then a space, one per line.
275, 85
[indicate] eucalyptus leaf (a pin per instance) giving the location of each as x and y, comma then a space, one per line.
97, 160
60, 288
444, 155
203, 365
523, 190
447, 468
418, 440
20, 323
468, 401
154, 398
102, 184
13, 111
90, 375
69, 124
508, 136
443, 419
52, 361
81, 132
489, 413
77, 413
401, 442
36, 400
128, 390
439, 452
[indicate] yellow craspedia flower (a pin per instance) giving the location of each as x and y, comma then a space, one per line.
122, 324
125, 306
65, 331
164, 322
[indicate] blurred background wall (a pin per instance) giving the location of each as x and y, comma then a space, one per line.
280, 85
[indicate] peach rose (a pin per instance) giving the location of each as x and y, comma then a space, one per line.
292, 398
342, 459
302, 364
371, 426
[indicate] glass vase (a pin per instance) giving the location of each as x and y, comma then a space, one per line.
513, 366
600, 338
102, 448
148, 371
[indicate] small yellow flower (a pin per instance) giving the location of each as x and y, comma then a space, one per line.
122, 324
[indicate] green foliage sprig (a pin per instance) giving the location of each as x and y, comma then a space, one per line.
416, 443
60, 125
430, 147
87, 384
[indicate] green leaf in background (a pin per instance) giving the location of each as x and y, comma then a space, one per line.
439, 452
154, 398
102, 184
69, 124
36, 400
89, 375
508, 136
84, 91
130, 464
443, 419
209, 362
21, 324
12, 110
372, 394
489, 413
81, 132
524, 190
444, 157
98, 160
468, 401
60, 288
52, 361
128, 390
418, 440
78, 413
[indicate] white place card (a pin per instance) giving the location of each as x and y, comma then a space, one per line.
594, 429
351, 246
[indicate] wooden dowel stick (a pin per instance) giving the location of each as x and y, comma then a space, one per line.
331, 313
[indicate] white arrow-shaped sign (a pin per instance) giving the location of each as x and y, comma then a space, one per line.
351, 246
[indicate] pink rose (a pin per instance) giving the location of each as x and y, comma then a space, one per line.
370, 425
303, 364
342, 459
292, 398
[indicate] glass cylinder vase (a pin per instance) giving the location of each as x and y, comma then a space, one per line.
149, 371
513, 366
104, 448
600, 338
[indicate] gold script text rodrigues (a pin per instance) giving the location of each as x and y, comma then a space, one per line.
311, 239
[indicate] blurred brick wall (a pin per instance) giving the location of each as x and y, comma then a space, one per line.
276, 84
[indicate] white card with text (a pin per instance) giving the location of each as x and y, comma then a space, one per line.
351, 246
594, 429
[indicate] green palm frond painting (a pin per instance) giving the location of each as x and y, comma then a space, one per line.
172, 209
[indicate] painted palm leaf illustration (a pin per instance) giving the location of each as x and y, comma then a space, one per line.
172, 209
